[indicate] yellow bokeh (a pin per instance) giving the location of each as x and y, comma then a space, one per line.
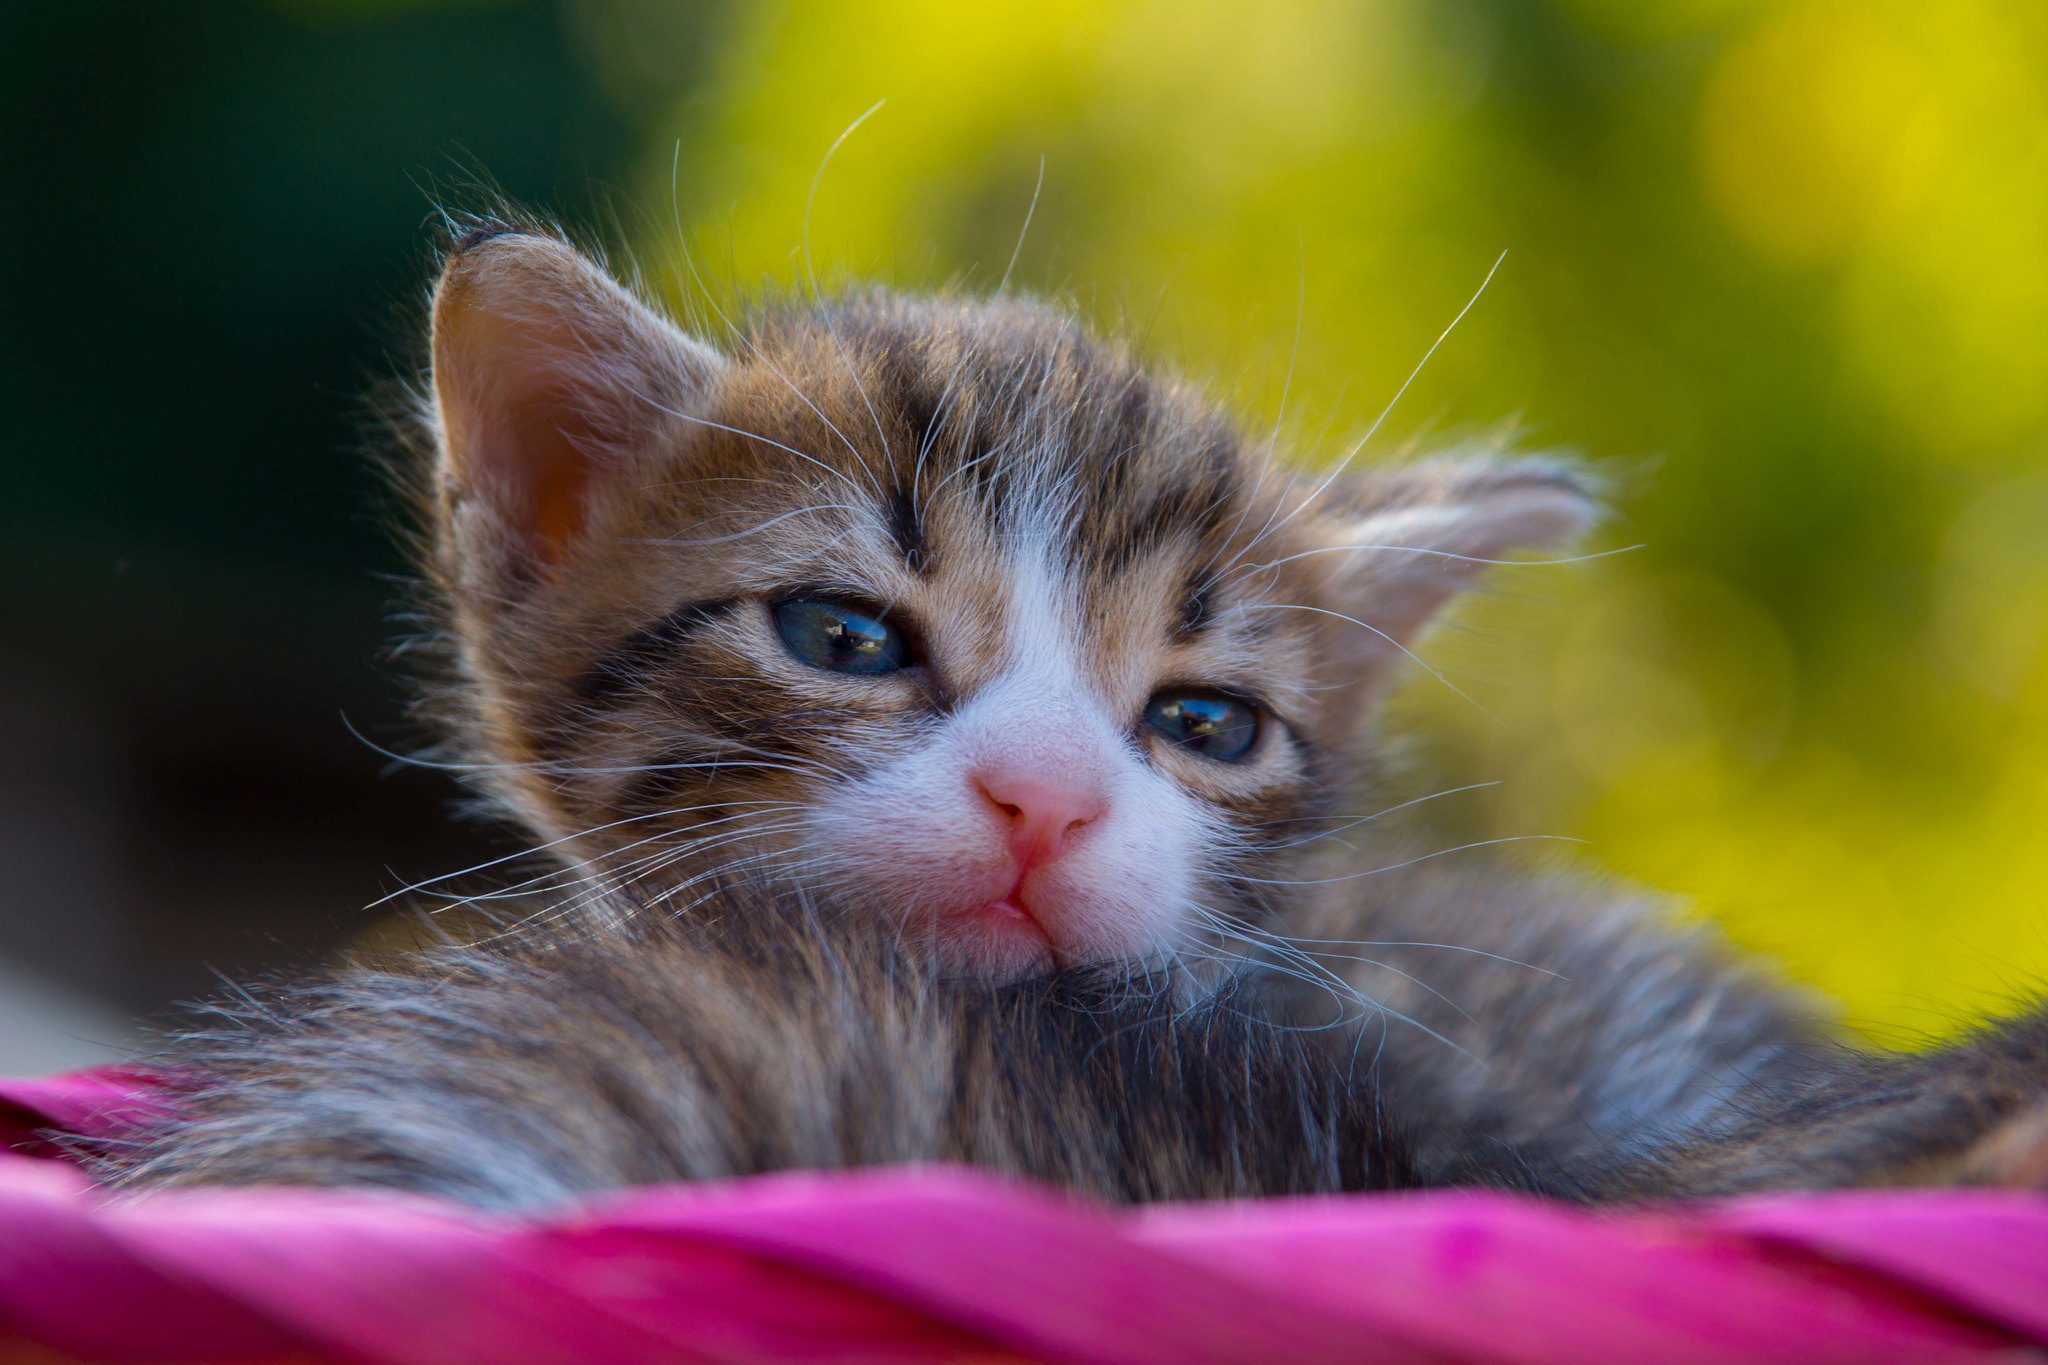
1781, 268
1819, 128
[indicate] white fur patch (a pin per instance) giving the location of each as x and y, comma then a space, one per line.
917, 835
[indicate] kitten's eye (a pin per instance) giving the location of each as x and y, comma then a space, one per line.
1206, 723
839, 637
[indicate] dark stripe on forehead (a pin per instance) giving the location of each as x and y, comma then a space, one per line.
1014, 418
992, 440
1118, 532
1158, 487
1116, 454
1133, 416
910, 390
621, 667
907, 530
1197, 604
923, 403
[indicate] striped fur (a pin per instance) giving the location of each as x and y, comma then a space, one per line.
773, 951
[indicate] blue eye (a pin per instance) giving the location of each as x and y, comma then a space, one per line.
1206, 723
839, 637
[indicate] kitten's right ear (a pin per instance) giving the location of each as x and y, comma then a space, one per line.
1405, 540
549, 379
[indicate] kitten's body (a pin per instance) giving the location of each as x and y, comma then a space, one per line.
547, 1064
1094, 676
537, 1067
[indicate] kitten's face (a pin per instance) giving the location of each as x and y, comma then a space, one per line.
942, 607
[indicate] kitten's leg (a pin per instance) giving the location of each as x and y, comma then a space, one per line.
1537, 1031
1975, 1112
1576, 1040
2016, 1153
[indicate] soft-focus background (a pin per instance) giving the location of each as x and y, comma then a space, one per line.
1783, 266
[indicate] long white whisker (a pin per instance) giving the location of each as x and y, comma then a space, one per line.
1416, 943
585, 872
641, 869
1396, 867
1368, 819
1003, 284
1279, 416
682, 416
760, 356
538, 848
1385, 412
756, 529
1322, 975
831, 329
1417, 659
1440, 554
1253, 933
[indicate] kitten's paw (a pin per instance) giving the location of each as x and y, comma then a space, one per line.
2015, 1153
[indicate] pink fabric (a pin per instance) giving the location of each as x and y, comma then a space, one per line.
910, 1263
96, 1103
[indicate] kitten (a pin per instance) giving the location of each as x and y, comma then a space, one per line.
1018, 661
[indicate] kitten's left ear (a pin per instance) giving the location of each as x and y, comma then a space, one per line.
1408, 539
550, 383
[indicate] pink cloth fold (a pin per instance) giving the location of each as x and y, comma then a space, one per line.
922, 1263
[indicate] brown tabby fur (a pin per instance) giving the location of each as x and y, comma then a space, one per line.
654, 1048
617, 688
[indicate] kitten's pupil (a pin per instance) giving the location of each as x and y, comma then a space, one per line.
839, 637
1211, 724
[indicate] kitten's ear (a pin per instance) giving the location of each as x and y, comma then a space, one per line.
1408, 539
548, 376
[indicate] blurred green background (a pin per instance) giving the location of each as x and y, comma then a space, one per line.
1781, 267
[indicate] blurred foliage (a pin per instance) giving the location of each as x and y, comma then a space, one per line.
1780, 268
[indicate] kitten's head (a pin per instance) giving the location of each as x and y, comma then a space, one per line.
942, 607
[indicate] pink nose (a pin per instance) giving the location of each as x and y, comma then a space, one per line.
1042, 814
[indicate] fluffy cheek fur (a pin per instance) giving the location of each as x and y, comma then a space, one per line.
918, 841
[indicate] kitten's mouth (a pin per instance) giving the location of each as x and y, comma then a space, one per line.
1011, 908
1003, 939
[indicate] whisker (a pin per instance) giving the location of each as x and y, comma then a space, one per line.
592, 872
538, 848
1418, 660
1396, 867
1252, 933
1331, 981
744, 434
1443, 554
1373, 430
641, 869
1003, 284
1416, 943
831, 328
1363, 819
746, 339
754, 530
